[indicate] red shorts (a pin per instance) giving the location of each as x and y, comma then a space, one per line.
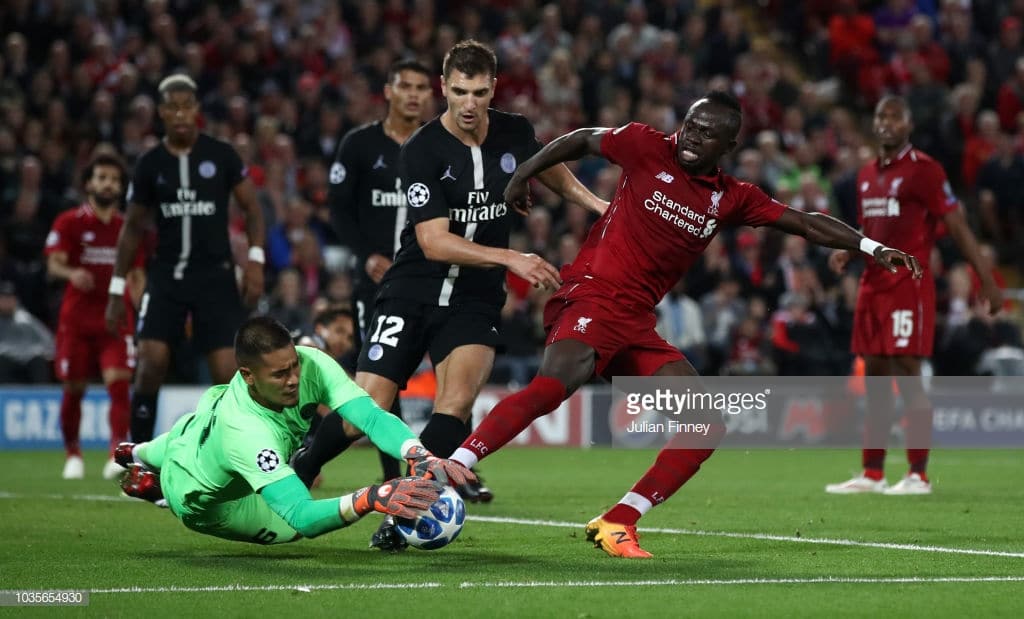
625, 340
895, 322
79, 355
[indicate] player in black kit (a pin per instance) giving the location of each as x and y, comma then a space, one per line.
368, 208
185, 183
445, 290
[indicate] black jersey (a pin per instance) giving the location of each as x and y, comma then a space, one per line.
443, 177
366, 199
190, 195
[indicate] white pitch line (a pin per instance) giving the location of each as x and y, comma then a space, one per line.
303, 588
765, 536
825, 580
574, 525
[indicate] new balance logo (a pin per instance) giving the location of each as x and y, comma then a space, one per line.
620, 537
448, 174
665, 176
379, 164
581, 324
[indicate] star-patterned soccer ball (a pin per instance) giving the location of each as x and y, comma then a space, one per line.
436, 526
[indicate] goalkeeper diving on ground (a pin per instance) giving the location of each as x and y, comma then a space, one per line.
223, 470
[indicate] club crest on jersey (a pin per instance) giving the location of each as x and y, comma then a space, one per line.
894, 187
581, 324
508, 163
337, 174
268, 460
417, 195
716, 197
207, 169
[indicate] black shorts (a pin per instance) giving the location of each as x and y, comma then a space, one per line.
212, 299
401, 331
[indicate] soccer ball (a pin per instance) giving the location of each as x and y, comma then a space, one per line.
436, 526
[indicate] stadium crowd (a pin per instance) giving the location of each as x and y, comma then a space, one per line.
283, 81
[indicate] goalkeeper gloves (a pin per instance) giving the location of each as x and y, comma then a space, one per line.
401, 497
425, 464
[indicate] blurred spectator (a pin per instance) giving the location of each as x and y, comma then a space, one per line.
26, 345
979, 147
1001, 192
286, 236
681, 324
288, 303
547, 36
801, 342
722, 309
1010, 99
748, 356
1006, 49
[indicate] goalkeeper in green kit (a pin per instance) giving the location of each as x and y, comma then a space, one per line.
224, 471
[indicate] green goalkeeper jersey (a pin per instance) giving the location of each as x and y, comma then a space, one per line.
233, 446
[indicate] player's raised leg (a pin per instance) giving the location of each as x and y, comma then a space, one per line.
615, 530
567, 365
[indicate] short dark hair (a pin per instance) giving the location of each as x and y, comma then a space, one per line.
408, 64
331, 314
104, 159
258, 336
726, 100
179, 82
886, 99
470, 57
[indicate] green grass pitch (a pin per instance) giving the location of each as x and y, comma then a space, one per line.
752, 535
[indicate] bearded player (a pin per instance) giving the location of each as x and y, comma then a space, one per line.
80, 249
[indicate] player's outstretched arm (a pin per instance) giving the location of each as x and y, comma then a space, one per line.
252, 281
822, 229
440, 245
569, 147
135, 222
968, 245
402, 497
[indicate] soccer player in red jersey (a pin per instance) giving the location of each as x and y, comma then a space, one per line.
80, 248
903, 194
671, 199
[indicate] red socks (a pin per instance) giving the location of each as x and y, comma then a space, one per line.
514, 414
873, 460
71, 420
120, 412
671, 469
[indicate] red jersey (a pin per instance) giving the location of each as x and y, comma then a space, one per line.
660, 219
900, 203
90, 244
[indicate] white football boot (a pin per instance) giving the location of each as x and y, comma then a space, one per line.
911, 484
74, 468
858, 485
